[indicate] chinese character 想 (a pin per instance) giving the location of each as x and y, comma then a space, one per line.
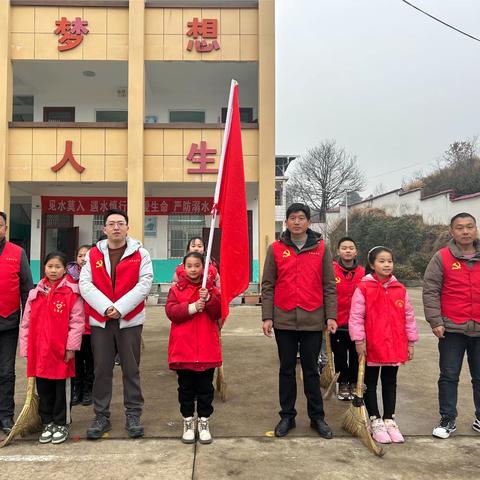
206, 28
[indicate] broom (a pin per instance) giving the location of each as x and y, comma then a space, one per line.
328, 377
29, 420
355, 420
220, 382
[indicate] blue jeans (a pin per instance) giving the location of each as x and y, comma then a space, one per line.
452, 350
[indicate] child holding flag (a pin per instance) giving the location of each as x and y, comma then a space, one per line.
194, 346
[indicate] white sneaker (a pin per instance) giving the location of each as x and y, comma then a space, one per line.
204, 435
444, 428
60, 434
47, 433
188, 430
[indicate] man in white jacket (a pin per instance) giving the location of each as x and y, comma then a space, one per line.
115, 282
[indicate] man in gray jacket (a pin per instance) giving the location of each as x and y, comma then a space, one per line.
451, 299
115, 282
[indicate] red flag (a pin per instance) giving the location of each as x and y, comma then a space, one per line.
232, 206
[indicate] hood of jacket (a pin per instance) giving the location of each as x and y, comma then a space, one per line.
312, 239
132, 246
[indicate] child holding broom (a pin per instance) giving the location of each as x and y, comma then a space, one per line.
382, 325
194, 346
348, 274
50, 332
83, 381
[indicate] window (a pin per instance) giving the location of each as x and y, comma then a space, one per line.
111, 116
23, 108
97, 228
186, 116
180, 229
58, 114
246, 115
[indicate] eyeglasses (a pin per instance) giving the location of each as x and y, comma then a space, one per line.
118, 224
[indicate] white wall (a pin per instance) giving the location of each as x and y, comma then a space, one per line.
36, 228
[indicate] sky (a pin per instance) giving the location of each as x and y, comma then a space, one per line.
390, 85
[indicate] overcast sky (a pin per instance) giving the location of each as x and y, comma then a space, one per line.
389, 84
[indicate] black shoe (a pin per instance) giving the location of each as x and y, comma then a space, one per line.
76, 397
87, 399
134, 426
6, 425
100, 425
284, 426
321, 427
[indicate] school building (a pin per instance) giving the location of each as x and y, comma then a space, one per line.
121, 104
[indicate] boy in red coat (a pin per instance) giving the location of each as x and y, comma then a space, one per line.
194, 347
347, 276
50, 333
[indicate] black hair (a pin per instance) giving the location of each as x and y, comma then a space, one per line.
194, 255
347, 239
298, 207
56, 254
190, 240
462, 215
115, 211
372, 255
4, 216
86, 245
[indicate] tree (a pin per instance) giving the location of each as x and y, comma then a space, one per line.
321, 178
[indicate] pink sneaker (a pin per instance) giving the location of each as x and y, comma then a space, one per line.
379, 430
393, 431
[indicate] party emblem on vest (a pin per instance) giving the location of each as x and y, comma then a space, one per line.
456, 266
337, 280
59, 306
286, 253
99, 264
399, 303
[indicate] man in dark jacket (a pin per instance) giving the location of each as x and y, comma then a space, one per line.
451, 299
298, 295
15, 283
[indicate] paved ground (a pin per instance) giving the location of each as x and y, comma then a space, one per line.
242, 427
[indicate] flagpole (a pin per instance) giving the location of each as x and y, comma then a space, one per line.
226, 134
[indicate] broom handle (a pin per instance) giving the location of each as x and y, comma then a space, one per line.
361, 375
328, 345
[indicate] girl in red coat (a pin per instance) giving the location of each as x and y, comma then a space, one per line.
347, 276
83, 381
51, 331
194, 347
196, 244
382, 324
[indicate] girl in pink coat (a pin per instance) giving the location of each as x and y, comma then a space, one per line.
50, 333
382, 325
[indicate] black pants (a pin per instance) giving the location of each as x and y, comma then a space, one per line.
388, 376
345, 356
8, 349
197, 386
84, 366
54, 400
452, 350
106, 343
289, 342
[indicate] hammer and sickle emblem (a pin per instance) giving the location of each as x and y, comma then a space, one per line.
286, 253
99, 264
456, 266
337, 280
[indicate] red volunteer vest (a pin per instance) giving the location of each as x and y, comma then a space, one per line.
10, 279
48, 334
346, 282
460, 299
299, 277
126, 277
385, 330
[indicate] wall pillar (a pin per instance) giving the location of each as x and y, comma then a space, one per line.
136, 115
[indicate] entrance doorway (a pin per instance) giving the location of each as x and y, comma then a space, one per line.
58, 233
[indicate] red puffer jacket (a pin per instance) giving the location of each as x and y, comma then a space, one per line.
194, 342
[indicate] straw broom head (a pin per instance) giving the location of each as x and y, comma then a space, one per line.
355, 420
29, 420
221, 384
328, 377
